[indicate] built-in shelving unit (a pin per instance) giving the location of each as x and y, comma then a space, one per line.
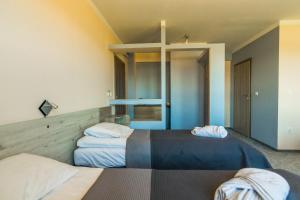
215, 50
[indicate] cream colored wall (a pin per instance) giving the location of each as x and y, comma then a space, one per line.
289, 87
55, 50
147, 57
227, 92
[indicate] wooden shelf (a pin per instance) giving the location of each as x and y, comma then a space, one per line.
189, 46
136, 102
132, 48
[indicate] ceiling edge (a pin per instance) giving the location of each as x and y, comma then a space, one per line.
101, 17
255, 37
289, 22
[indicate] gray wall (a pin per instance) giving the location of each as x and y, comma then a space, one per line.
264, 79
53, 137
131, 84
187, 90
148, 80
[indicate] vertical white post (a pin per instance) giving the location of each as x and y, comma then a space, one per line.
163, 88
163, 32
217, 84
163, 75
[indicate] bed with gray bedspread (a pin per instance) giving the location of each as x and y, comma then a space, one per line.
179, 149
147, 184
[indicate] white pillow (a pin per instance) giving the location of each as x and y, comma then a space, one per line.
31, 177
108, 130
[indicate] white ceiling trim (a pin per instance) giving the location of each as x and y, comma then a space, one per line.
255, 37
289, 22
102, 18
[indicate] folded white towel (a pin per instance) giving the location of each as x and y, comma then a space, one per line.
108, 130
93, 142
254, 184
210, 131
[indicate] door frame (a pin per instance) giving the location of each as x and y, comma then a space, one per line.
250, 100
207, 89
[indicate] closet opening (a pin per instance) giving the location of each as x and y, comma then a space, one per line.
188, 89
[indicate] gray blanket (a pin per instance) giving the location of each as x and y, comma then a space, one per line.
138, 150
143, 184
179, 149
121, 184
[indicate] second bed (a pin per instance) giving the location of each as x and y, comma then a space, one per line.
172, 149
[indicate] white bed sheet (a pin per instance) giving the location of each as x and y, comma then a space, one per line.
100, 157
77, 186
94, 142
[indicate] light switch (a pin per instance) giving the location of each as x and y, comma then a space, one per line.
109, 93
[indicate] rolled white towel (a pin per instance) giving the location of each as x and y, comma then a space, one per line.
254, 184
210, 131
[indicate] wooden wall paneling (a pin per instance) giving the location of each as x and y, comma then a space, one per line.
53, 137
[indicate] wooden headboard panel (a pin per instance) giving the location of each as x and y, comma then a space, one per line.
53, 137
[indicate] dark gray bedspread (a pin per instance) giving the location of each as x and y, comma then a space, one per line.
121, 184
202, 184
138, 150
179, 149
143, 184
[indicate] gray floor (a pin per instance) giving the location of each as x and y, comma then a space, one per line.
289, 160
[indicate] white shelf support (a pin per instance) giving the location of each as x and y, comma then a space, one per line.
132, 48
136, 102
163, 87
163, 32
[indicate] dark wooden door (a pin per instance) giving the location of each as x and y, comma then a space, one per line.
242, 97
120, 84
206, 94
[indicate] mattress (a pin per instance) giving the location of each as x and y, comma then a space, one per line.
94, 142
100, 157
